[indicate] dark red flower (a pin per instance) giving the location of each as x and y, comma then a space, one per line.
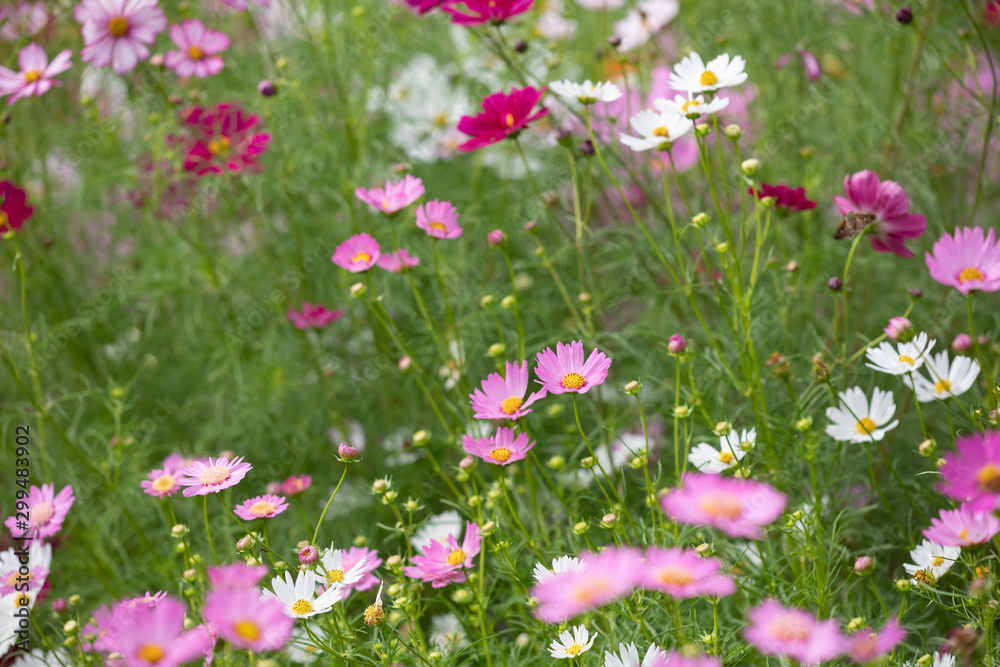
226, 139
503, 116
785, 198
992, 12
486, 11
14, 209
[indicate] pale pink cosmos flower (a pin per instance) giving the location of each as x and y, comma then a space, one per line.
682, 573
397, 261
967, 261
197, 49
500, 449
313, 316
241, 5
155, 637
161, 483
566, 371
502, 397
147, 600
604, 578
46, 511
295, 484
893, 223
262, 507
793, 633
737, 507
445, 563
962, 528
235, 577
35, 77
357, 254
867, 646
394, 196
809, 62
439, 219
118, 32
247, 621
214, 476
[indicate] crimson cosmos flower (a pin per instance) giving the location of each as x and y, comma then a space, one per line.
486, 11
227, 139
786, 199
504, 115
14, 209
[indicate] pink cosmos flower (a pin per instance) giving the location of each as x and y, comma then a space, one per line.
503, 397
161, 483
439, 219
394, 196
357, 254
242, 4
486, 11
235, 577
14, 209
503, 116
351, 558
809, 62
147, 600
154, 636
296, 484
968, 261
972, 473
46, 511
786, 199
501, 449
176, 461
446, 563
313, 316
778, 630
226, 139
886, 200
397, 261
962, 528
118, 32
677, 659
262, 507
565, 370
35, 77
248, 621
22, 19
866, 646
202, 479
13, 578
682, 573
605, 577
737, 507
198, 49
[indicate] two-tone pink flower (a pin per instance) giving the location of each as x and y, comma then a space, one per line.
118, 32
443, 563
889, 204
197, 49
566, 371
36, 75
394, 196
439, 219
202, 478
737, 507
357, 254
501, 449
503, 397
968, 261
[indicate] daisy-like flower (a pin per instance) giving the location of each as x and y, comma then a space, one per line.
296, 484
967, 261
478, 12
334, 573
931, 560
866, 646
587, 92
246, 621
118, 32
940, 660
214, 476
905, 358
198, 49
732, 448
46, 511
501, 449
737, 507
313, 316
299, 596
642, 23
604, 578
786, 200
972, 473
394, 196
692, 75
262, 507
572, 644
565, 370
892, 223
628, 656
397, 261
793, 633
369, 562
682, 573
439, 219
657, 130
437, 528
38, 564
227, 140
962, 528
560, 565
503, 397
446, 563
14, 209
856, 421
504, 115
691, 107
154, 636
35, 77
946, 380
161, 483
357, 254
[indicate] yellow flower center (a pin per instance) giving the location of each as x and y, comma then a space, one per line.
500, 454
261, 508
866, 426
12, 579
152, 653
118, 26
789, 629
32, 76
573, 381
220, 145
970, 273
163, 483
42, 514
456, 557
214, 475
574, 650
362, 257
964, 534
439, 226
708, 78
989, 477
22, 600
906, 359
510, 405
937, 561
335, 576
675, 576
942, 386
302, 607
509, 119
247, 630
721, 505
195, 52
3, 220
690, 103
726, 457
661, 132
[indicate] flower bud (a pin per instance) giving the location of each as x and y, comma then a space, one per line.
609, 520
804, 424
496, 238
393, 562
191, 574
722, 248
768, 201
925, 660
701, 129
488, 528
421, 438
308, 555
73, 600
405, 363
904, 15
411, 505
632, 388
244, 543
347, 453
507, 302
588, 462
903, 585
520, 46
927, 448
734, 132
556, 462
723, 428
677, 345
267, 88
474, 501
467, 463
962, 343
682, 412
488, 301
586, 147
584, 297
497, 350
900, 330
581, 527
71, 627
700, 220
703, 549
389, 496
401, 602
380, 486
916, 293
69, 642
864, 565
179, 530
835, 284
59, 605
461, 596
434, 656
855, 624
792, 266
157, 60
750, 167
614, 41
358, 290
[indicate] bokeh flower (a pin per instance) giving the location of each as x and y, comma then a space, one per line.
737, 507
35, 77
793, 633
198, 49
968, 261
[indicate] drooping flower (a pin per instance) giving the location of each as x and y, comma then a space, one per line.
967, 261
682, 573
809, 62
38, 564
296, 484
962, 528
247, 621
14, 209
657, 130
732, 448
214, 476
227, 139
932, 560
856, 421
447, 562
262, 507
439, 219
501, 449
161, 483
394, 195
786, 199
198, 49
691, 107
628, 656
694, 76
503, 397
313, 316
587, 92
559, 566
605, 577
572, 644
905, 358
35, 77
866, 646
737, 507
565, 370
118, 32
46, 511
486, 11
972, 473
945, 380
397, 261
299, 597
357, 254
334, 572
793, 633
504, 115
154, 636
892, 222
640, 24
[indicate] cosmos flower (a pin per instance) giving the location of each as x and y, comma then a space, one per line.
931, 560
35, 77
657, 130
262, 507
732, 448
397, 261
235, 576
504, 115
962, 528
503, 397
905, 358
587, 92
198, 49
642, 23
437, 528
501, 449
38, 564
565, 370
560, 565
856, 421
889, 204
809, 62
572, 644
227, 139
786, 199
394, 196
682, 573
334, 573
737, 507
945, 380
691, 107
369, 562
298, 597
296, 484
47, 511
605, 577
147, 600
446, 563
486, 11
14, 209
154, 636
242, 5
118, 32
313, 316
22, 19
867, 646
967, 261
357, 254
628, 656
694, 76
972, 473
439, 219
214, 476
161, 483
247, 621
793, 633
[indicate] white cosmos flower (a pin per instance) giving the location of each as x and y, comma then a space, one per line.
586, 92
572, 644
333, 574
39, 565
298, 596
560, 565
940, 660
554, 26
905, 358
640, 24
655, 130
628, 656
732, 448
934, 559
855, 421
599, 5
8, 622
694, 76
438, 527
447, 632
946, 380
691, 107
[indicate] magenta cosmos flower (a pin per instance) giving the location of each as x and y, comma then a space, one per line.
503, 397
867, 646
397, 261
154, 636
682, 573
214, 476
793, 633
737, 507
197, 49
14, 209
296, 484
357, 254
242, 4
604, 578
118, 32
35, 77
809, 63
500, 449
972, 473
968, 261
885, 200
246, 620
424, 6
393, 196
486, 11
161, 483
503, 116
446, 563
566, 371
962, 528
227, 139
439, 219
313, 316
786, 199
351, 558
46, 512
262, 507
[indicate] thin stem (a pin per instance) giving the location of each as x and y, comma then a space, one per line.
208, 531
332, 496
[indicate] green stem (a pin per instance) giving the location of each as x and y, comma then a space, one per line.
328, 502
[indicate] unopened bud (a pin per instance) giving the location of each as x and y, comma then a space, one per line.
927, 448
190, 574
308, 555
900, 330
734, 132
71, 627
244, 543
488, 301
700, 220
903, 585
701, 129
962, 343
267, 88
358, 290
682, 412
588, 462
835, 284
703, 549
864, 565
609, 520
556, 462
347, 453
632, 388
856, 624
467, 463
496, 238
380, 486
488, 528
804, 424
497, 350
723, 428
676, 345
421, 438
750, 167
581, 527
507, 302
